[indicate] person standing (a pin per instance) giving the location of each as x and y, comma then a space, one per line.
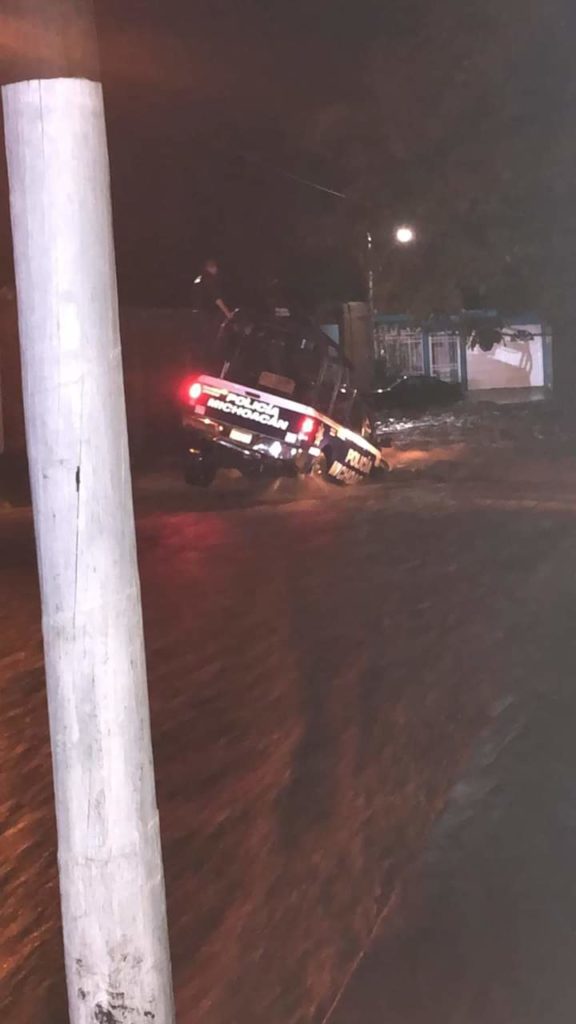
211, 291
211, 310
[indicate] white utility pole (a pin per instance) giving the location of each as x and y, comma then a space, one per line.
111, 877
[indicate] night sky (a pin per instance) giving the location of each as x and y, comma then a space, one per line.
446, 112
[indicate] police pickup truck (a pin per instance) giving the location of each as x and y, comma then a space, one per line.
280, 403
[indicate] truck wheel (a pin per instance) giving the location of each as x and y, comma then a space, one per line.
254, 471
379, 472
198, 473
319, 468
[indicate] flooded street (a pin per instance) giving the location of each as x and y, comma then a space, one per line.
320, 674
486, 929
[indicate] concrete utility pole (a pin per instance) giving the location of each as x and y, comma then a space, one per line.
111, 878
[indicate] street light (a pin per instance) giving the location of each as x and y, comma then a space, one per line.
405, 235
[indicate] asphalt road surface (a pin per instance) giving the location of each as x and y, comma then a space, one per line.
321, 670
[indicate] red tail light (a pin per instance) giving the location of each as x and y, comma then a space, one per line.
308, 428
195, 391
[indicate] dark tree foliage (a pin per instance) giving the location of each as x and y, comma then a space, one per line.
455, 115
463, 129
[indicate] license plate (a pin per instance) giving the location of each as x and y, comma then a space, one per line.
241, 435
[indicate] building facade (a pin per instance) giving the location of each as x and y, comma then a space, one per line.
480, 350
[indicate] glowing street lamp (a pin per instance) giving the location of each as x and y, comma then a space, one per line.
405, 235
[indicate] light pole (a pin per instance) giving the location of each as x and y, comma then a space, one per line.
403, 235
370, 247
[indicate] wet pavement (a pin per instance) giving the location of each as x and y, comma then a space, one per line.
486, 930
320, 671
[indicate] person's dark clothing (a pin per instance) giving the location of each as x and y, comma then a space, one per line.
207, 321
208, 291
